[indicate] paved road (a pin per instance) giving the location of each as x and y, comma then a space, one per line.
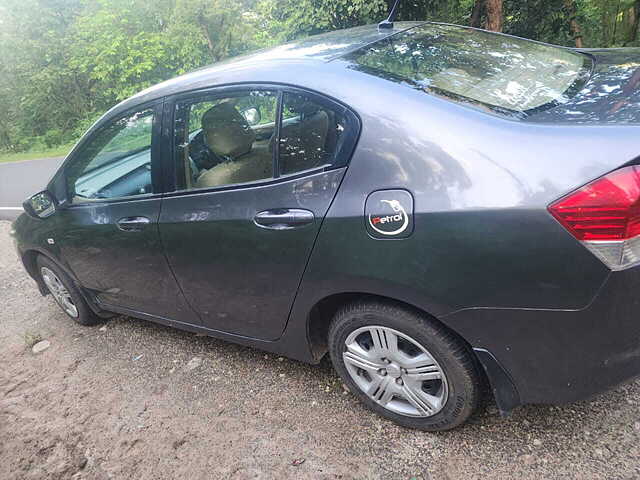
18, 180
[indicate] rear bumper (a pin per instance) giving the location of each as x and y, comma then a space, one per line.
561, 356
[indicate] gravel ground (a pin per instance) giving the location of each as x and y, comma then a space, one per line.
132, 399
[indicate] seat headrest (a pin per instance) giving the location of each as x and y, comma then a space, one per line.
308, 108
302, 106
226, 132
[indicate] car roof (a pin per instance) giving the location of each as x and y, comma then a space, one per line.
316, 49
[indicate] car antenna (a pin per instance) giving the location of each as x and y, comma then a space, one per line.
388, 23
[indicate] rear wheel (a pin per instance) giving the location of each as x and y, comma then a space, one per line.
404, 366
65, 293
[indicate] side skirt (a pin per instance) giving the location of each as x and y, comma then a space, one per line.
280, 347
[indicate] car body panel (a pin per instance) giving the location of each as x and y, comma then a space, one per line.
122, 268
240, 277
563, 356
127, 269
480, 203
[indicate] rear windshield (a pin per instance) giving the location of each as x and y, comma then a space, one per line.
505, 73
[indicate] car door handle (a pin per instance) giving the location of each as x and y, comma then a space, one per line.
132, 224
284, 218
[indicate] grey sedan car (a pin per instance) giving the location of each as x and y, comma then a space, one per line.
436, 207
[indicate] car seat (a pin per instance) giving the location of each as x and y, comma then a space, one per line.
228, 135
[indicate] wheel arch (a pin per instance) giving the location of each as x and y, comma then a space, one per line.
30, 262
323, 311
494, 375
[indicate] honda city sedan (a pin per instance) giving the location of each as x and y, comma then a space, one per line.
436, 207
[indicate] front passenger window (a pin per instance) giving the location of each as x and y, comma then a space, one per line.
116, 162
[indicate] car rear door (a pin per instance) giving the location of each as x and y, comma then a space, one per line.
107, 231
243, 218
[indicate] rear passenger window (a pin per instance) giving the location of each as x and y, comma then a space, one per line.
225, 140
241, 137
311, 134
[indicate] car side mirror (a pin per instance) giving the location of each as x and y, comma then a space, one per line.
252, 116
40, 205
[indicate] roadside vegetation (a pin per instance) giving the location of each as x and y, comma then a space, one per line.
65, 62
44, 152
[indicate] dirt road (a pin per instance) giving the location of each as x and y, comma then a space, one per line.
132, 399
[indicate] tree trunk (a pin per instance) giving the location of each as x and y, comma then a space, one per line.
5, 139
615, 21
476, 14
207, 36
633, 35
576, 31
494, 15
206, 33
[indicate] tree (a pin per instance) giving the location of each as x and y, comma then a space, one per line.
283, 20
476, 14
491, 10
40, 95
494, 15
633, 14
576, 31
224, 28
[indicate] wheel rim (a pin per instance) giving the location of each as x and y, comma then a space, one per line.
59, 292
395, 371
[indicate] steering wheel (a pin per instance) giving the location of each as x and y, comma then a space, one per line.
201, 154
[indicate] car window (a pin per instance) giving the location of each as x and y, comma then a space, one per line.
502, 72
310, 135
225, 141
116, 162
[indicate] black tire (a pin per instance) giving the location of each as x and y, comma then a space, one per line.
85, 314
463, 379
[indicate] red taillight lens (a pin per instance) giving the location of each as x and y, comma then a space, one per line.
606, 209
605, 216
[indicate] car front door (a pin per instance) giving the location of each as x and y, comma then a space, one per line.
107, 230
255, 172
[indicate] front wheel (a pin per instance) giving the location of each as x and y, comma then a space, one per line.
65, 293
404, 366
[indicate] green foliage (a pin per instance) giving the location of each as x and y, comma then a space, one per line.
604, 23
64, 62
283, 20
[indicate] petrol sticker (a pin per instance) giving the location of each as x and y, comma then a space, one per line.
389, 214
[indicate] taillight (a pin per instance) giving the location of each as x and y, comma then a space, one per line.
605, 216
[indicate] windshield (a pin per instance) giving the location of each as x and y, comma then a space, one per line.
506, 73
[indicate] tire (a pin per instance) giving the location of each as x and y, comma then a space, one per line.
425, 349
74, 304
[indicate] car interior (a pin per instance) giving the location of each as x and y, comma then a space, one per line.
236, 152
236, 155
122, 178
307, 140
